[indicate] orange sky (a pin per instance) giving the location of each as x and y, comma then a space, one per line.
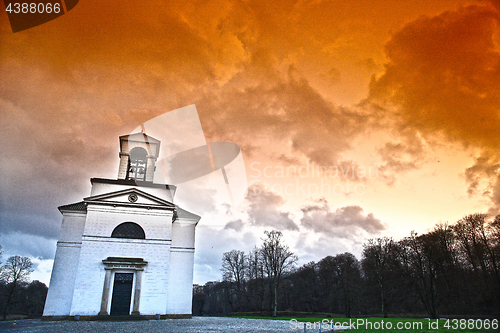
409, 87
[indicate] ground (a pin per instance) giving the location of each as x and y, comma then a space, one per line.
195, 325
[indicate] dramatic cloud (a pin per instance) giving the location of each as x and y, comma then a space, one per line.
495, 196
484, 176
236, 225
277, 113
281, 79
27, 245
443, 78
344, 222
399, 157
443, 75
44, 165
72, 86
264, 209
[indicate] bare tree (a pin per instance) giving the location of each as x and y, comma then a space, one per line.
234, 267
477, 240
16, 271
304, 290
278, 260
326, 275
419, 260
378, 265
348, 275
471, 235
255, 273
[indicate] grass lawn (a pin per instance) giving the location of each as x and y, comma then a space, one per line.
377, 325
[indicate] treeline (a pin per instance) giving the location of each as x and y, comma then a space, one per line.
450, 270
17, 295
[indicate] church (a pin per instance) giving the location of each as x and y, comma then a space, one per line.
127, 249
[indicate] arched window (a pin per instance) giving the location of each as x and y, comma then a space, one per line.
128, 230
137, 164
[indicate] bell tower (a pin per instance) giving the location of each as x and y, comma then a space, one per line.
138, 154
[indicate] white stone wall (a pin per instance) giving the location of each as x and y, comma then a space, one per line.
72, 227
151, 148
62, 280
102, 220
181, 266
180, 281
97, 245
183, 231
77, 280
90, 280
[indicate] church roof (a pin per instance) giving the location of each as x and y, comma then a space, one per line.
181, 213
142, 137
79, 206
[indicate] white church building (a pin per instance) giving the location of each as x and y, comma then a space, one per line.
127, 249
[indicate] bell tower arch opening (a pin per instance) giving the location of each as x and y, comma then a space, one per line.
138, 164
138, 155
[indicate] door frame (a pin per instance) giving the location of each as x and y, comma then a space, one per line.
115, 265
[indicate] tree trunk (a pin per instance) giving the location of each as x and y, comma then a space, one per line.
382, 299
275, 300
10, 292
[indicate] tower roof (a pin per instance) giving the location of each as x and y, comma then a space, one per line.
141, 137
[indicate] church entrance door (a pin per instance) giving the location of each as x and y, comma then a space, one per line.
122, 294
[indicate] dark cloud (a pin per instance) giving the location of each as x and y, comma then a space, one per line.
236, 225
443, 75
484, 177
44, 166
72, 86
443, 78
344, 222
333, 75
264, 209
368, 65
485, 166
275, 111
406, 154
495, 196
29, 245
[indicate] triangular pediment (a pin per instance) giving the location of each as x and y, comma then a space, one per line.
130, 197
